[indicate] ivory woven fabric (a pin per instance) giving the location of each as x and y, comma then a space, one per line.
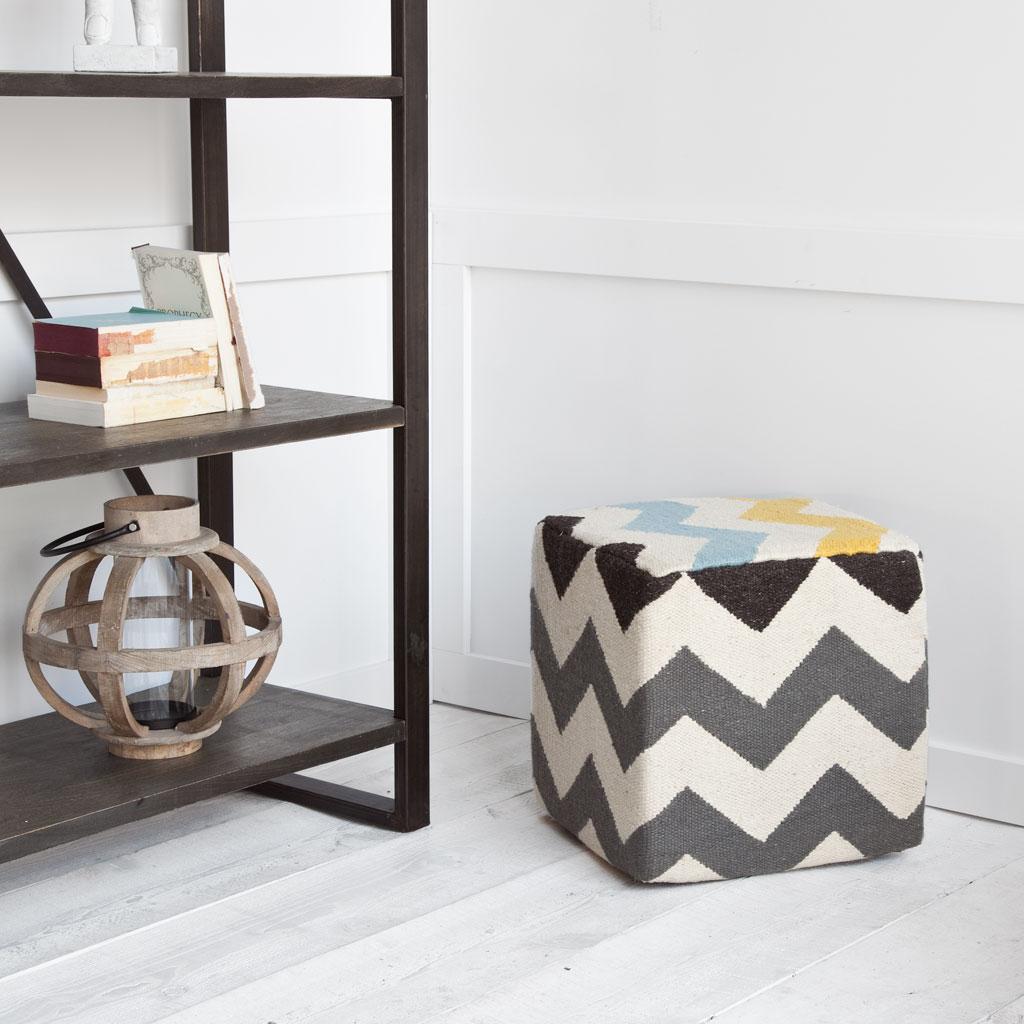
727, 687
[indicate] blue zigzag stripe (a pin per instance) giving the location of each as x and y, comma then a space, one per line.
723, 547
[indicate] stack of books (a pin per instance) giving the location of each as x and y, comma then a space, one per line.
111, 369
184, 354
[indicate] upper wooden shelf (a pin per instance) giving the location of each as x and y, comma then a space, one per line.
33, 450
198, 85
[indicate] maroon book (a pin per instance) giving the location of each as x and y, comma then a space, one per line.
77, 341
69, 369
120, 371
116, 334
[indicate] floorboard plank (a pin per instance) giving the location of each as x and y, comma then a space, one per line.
450, 727
243, 910
687, 964
1011, 1013
410, 971
181, 961
542, 921
961, 956
241, 843
183, 957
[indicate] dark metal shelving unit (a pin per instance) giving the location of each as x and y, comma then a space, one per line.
281, 730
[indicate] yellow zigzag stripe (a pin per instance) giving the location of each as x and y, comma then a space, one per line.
848, 537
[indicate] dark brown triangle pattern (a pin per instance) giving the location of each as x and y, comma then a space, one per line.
563, 551
894, 576
630, 588
757, 592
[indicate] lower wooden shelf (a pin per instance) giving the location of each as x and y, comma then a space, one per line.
59, 783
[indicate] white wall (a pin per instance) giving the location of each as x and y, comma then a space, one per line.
699, 247
712, 248
83, 180
859, 112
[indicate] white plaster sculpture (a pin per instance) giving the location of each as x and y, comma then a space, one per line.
99, 54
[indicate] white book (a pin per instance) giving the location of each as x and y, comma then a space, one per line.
126, 393
118, 414
252, 394
190, 283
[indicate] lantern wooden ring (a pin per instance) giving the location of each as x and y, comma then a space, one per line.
168, 526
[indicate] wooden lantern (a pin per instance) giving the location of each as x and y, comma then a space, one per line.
155, 700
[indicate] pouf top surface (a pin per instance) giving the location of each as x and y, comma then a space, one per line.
690, 534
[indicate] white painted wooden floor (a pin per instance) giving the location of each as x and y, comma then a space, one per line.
247, 910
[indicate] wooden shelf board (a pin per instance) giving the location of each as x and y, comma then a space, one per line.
199, 85
34, 450
61, 784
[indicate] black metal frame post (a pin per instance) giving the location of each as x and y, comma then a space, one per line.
410, 808
211, 230
410, 274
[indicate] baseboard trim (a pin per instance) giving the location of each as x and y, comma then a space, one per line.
475, 681
978, 784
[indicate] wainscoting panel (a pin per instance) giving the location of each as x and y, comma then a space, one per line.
581, 360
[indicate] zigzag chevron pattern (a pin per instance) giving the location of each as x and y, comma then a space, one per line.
688, 756
847, 535
689, 534
756, 662
692, 724
836, 667
706, 844
721, 547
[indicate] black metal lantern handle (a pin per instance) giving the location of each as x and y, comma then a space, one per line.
60, 547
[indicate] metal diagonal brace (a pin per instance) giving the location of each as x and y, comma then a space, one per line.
23, 285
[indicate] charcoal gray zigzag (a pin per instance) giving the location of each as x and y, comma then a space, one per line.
835, 667
690, 825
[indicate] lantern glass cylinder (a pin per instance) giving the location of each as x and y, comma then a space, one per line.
162, 700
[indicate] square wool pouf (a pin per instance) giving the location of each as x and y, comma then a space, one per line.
728, 687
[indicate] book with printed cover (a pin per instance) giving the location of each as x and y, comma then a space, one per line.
192, 283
